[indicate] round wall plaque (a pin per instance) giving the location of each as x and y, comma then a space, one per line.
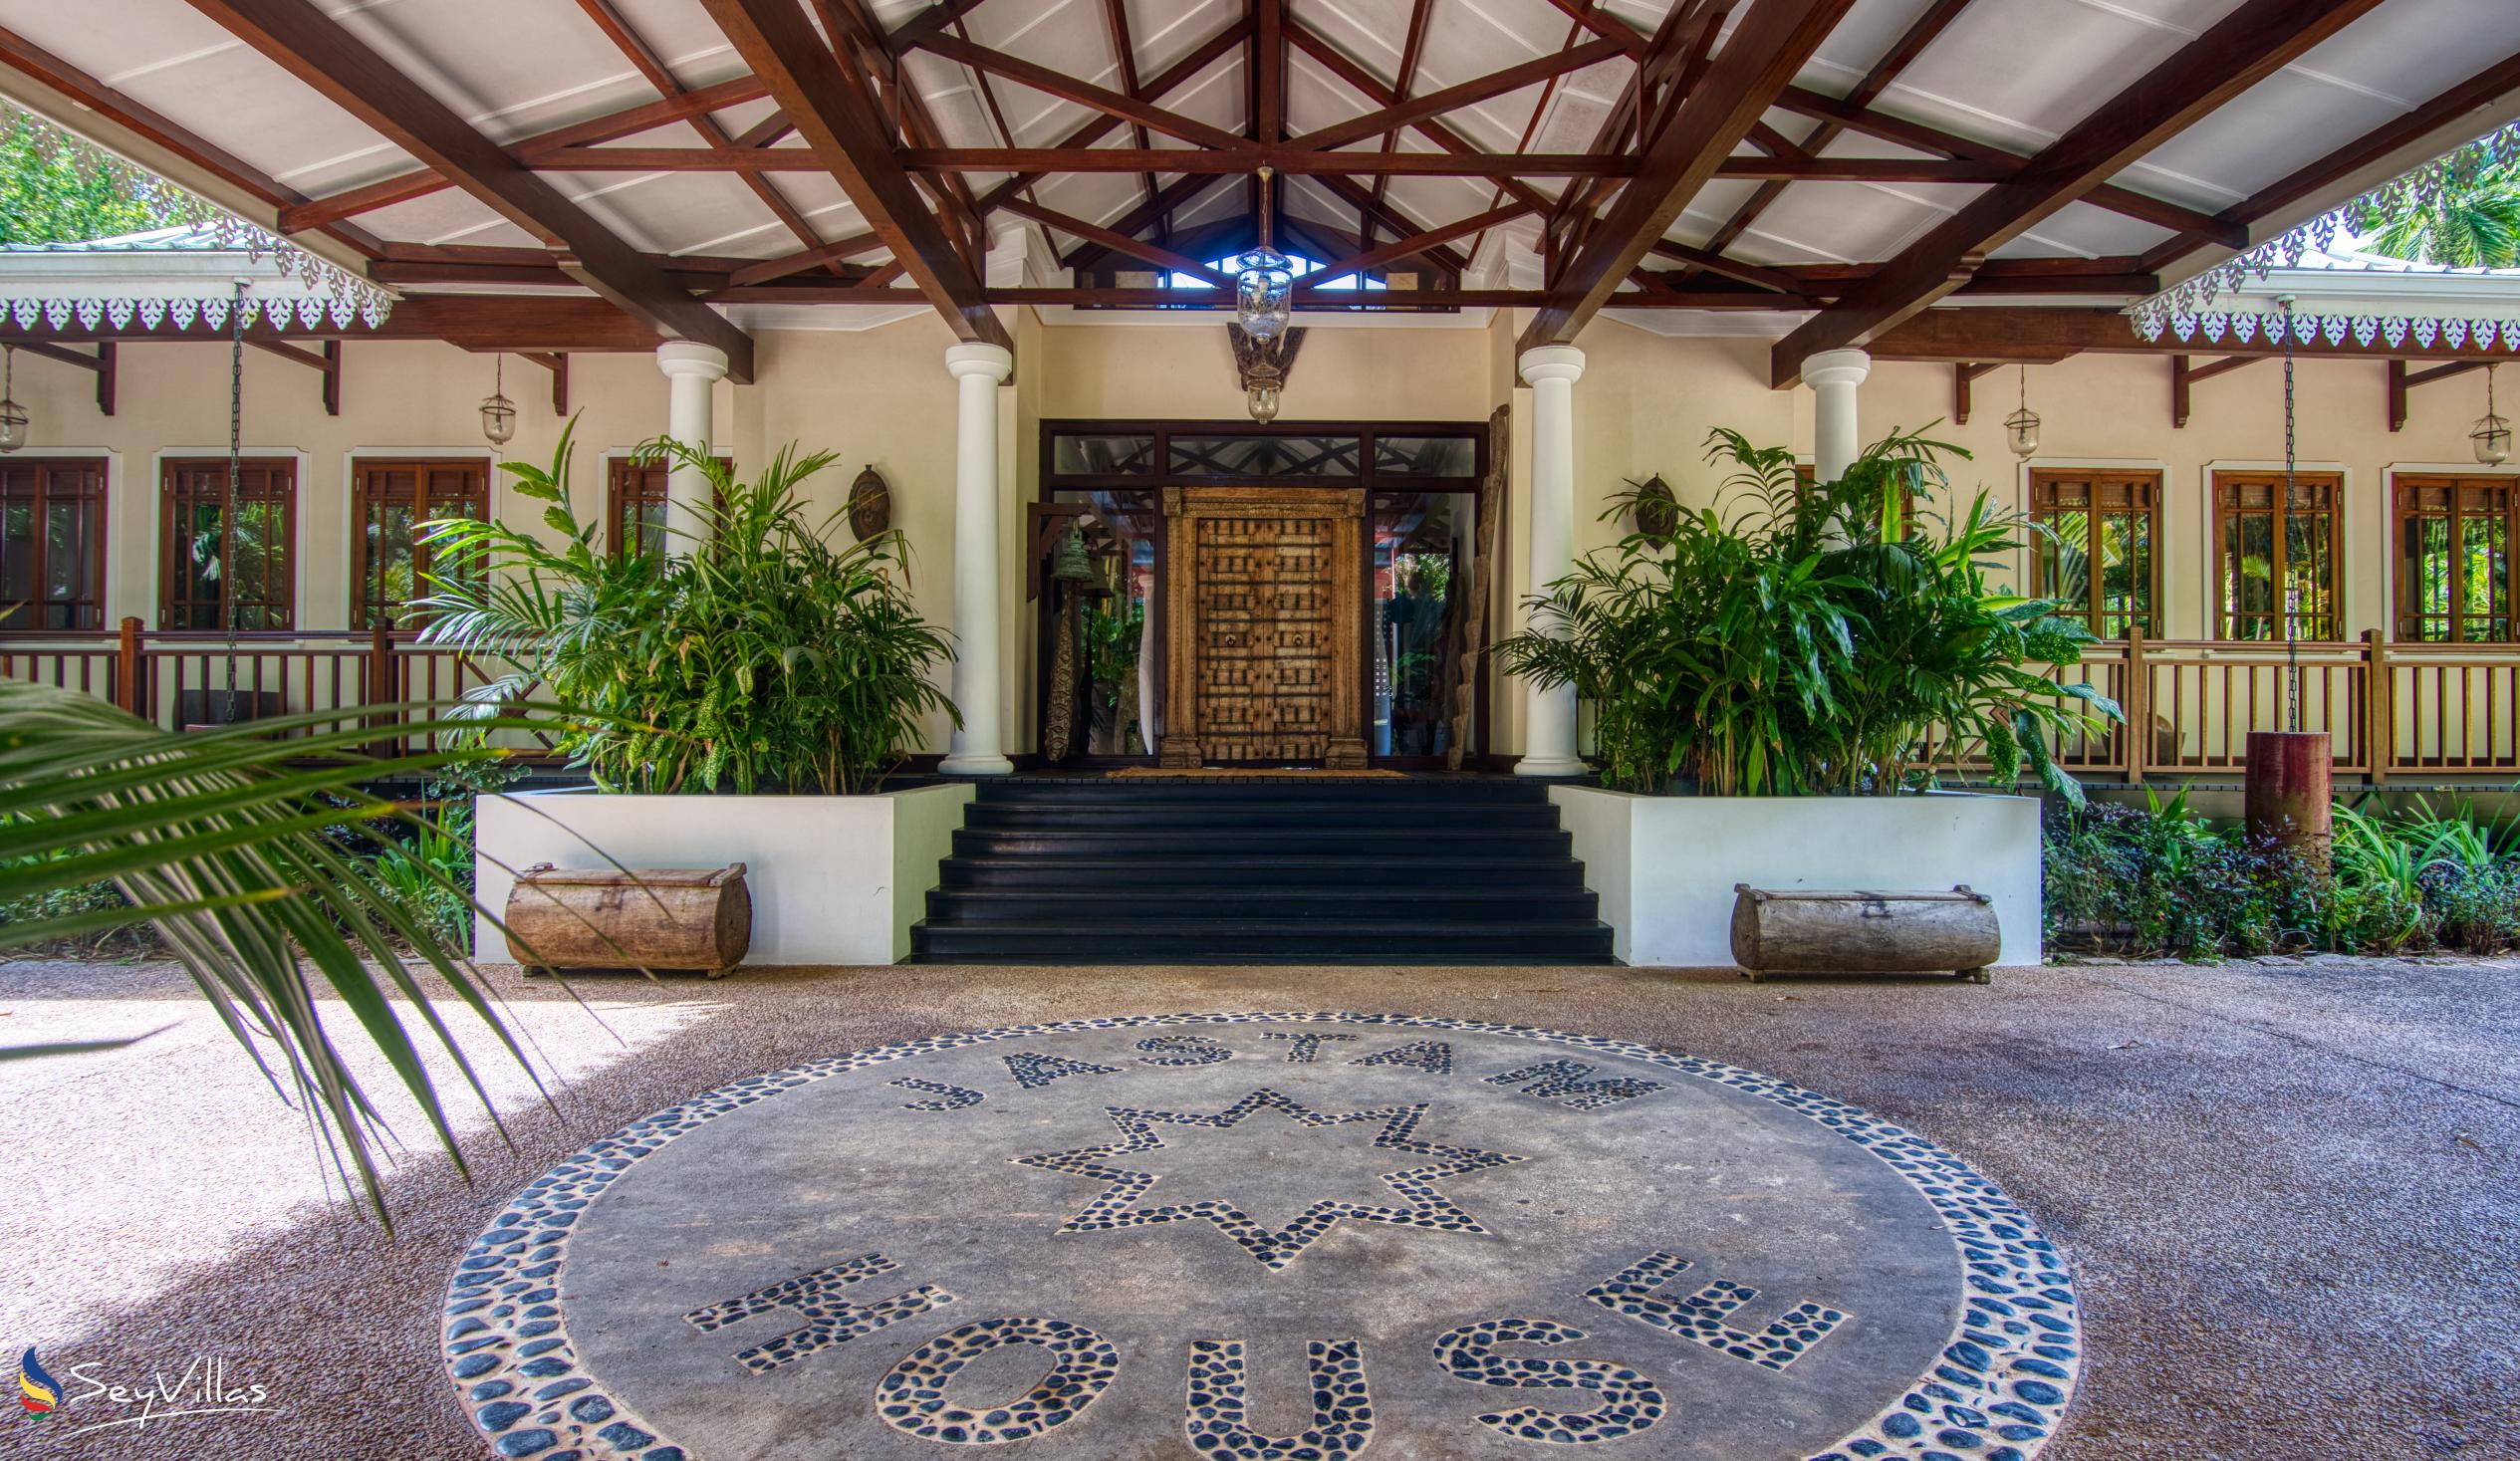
870, 505
1268, 1236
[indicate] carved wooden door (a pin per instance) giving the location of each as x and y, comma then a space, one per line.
1266, 627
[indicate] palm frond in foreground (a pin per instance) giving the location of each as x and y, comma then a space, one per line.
228, 842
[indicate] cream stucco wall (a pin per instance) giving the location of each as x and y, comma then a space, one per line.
883, 397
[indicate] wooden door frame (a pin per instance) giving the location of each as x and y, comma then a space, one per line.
1183, 508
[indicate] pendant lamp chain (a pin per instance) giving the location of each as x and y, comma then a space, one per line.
2291, 636
228, 530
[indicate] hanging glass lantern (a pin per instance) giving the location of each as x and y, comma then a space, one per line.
2021, 429
1264, 286
1260, 393
498, 413
13, 418
2491, 435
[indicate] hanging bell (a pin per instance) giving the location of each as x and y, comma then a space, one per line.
1073, 564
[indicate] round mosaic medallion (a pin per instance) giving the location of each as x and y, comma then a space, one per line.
1290, 1236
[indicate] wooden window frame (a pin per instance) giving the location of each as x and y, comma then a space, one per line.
2405, 617
363, 496
97, 498
170, 534
619, 470
2225, 485
2038, 506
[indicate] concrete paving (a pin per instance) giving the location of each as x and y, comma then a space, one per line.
2288, 1192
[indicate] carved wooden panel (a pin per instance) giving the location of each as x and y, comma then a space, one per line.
1267, 622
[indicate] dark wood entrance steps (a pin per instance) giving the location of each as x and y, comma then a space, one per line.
1258, 872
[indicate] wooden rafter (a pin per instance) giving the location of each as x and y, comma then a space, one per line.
835, 119
311, 46
404, 187
1413, 50
653, 69
143, 133
1910, 44
1877, 123
1453, 98
1084, 94
1124, 56
2471, 107
1412, 244
2236, 53
1760, 59
1117, 242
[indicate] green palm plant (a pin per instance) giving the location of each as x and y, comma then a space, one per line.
2473, 226
772, 659
230, 844
1793, 640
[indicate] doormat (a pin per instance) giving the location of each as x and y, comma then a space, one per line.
1218, 773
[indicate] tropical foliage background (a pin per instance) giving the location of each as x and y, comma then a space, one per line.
2475, 225
1796, 639
55, 194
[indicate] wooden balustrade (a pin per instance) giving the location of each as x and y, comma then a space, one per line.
2390, 709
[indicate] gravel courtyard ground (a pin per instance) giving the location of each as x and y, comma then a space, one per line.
2290, 1191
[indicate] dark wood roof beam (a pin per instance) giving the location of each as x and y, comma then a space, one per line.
1910, 44
1117, 242
1413, 50
1408, 246
1760, 59
1451, 98
653, 70
150, 130
1070, 89
1588, 14
1925, 138
2244, 48
386, 192
846, 131
319, 53
2470, 109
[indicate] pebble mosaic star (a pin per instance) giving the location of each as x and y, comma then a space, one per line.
1668, 1258
1116, 1205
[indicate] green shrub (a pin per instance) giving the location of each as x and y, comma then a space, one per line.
771, 659
2161, 880
1792, 640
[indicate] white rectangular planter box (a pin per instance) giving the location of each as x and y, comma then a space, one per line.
834, 880
1664, 866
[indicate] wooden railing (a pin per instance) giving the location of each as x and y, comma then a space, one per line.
2389, 709
181, 678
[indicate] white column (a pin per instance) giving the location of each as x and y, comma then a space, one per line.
693, 371
980, 748
1833, 376
1549, 715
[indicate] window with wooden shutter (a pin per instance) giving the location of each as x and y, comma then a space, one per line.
52, 543
2457, 577
206, 562
391, 560
2279, 571
2099, 556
